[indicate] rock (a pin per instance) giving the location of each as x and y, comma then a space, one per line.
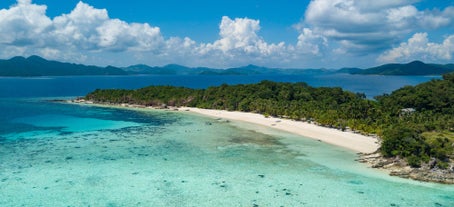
401, 174
399, 167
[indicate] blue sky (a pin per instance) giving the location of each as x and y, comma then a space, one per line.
285, 33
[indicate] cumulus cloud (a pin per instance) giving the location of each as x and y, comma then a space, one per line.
87, 30
310, 42
330, 28
360, 26
84, 28
92, 29
240, 33
23, 24
419, 47
239, 41
239, 37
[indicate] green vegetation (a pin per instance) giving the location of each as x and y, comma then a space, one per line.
415, 122
428, 131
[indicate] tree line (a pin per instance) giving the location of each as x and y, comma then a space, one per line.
414, 122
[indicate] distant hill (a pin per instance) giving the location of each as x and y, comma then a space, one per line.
171, 69
174, 69
350, 70
37, 66
259, 70
145, 69
412, 68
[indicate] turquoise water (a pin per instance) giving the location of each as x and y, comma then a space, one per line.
55, 154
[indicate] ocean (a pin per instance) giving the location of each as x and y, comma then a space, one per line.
55, 154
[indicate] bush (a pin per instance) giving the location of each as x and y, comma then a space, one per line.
442, 165
414, 161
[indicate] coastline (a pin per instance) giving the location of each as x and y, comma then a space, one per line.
365, 146
346, 139
349, 140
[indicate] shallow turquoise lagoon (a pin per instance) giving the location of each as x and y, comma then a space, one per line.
71, 155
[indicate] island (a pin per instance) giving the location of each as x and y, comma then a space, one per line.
413, 126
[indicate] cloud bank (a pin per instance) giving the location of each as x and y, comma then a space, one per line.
330, 28
364, 26
419, 47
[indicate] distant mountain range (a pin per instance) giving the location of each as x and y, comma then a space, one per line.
174, 69
413, 68
38, 66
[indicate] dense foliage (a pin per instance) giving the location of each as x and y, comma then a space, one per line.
415, 122
428, 131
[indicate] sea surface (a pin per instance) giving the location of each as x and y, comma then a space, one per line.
55, 154
372, 85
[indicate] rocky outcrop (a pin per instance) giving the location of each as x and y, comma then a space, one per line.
397, 166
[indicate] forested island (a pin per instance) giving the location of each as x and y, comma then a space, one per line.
415, 123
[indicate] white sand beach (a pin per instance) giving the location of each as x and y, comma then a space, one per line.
349, 140
346, 139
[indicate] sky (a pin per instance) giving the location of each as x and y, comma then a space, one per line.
230, 33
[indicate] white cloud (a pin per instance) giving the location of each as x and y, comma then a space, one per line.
87, 31
436, 19
85, 28
23, 24
24, 1
401, 17
372, 5
240, 43
239, 37
78, 29
117, 35
238, 34
361, 26
419, 47
92, 29
330, 31
310, 43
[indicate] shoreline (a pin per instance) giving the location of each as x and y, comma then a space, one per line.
346, 139
365, 146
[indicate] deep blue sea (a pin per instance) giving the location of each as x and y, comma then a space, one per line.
78, 86
55, 154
